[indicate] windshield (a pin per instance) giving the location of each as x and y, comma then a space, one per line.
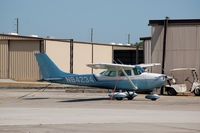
138, 70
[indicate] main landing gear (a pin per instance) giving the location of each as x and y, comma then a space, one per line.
121, 95
130, 95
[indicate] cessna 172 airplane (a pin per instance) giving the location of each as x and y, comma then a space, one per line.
125, 80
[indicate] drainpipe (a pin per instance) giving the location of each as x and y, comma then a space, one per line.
164, 44
164, 48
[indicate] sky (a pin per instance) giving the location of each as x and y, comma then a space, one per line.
111, 20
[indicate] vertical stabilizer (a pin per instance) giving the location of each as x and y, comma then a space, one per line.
48, 68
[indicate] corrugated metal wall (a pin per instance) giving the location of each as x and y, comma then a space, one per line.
157, 47
182, 46
22, 62
59, 52
147, 51
198, 47
3, 59
82, 56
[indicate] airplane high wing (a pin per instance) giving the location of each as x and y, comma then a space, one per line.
149, 65
109, 66
126, 80
119, 66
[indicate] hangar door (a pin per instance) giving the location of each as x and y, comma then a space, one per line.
128, 56
3, 59
22, 61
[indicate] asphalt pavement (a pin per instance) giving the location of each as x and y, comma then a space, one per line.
54, 110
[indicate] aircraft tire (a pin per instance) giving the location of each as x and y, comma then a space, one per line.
119, 98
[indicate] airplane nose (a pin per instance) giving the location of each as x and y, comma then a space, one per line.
161, 79
164, 77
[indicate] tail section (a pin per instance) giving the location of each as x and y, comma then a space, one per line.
48, 68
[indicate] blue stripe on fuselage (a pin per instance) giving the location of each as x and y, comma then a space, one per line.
91, 80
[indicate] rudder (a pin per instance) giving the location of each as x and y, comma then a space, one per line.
48, 68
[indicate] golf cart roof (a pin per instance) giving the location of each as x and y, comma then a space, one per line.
183, 69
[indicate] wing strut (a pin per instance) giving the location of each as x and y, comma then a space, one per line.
130, 81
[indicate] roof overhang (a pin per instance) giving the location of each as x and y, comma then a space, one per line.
175, 22
145, 38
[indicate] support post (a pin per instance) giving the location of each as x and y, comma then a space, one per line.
129, 38
92, 49
71, 55
17, 25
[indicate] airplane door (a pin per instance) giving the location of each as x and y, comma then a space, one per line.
140, 78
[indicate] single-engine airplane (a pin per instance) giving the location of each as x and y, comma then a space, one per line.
125, 80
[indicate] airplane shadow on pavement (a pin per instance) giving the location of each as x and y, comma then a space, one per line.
85, 100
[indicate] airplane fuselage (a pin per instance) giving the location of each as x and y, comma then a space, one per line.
144, 82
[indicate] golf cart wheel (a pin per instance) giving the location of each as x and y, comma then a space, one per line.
171, 92
197, 92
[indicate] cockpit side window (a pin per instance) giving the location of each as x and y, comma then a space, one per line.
106, 73
109, 73
120, 73
128, 72
102, 73
112, 74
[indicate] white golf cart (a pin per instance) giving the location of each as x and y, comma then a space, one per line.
183, 80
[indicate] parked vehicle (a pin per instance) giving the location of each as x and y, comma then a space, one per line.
183, 80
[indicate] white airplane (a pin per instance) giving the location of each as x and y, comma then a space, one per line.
125, 80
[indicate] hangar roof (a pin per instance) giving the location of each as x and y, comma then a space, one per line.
175, 22
22, 37
18, 37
